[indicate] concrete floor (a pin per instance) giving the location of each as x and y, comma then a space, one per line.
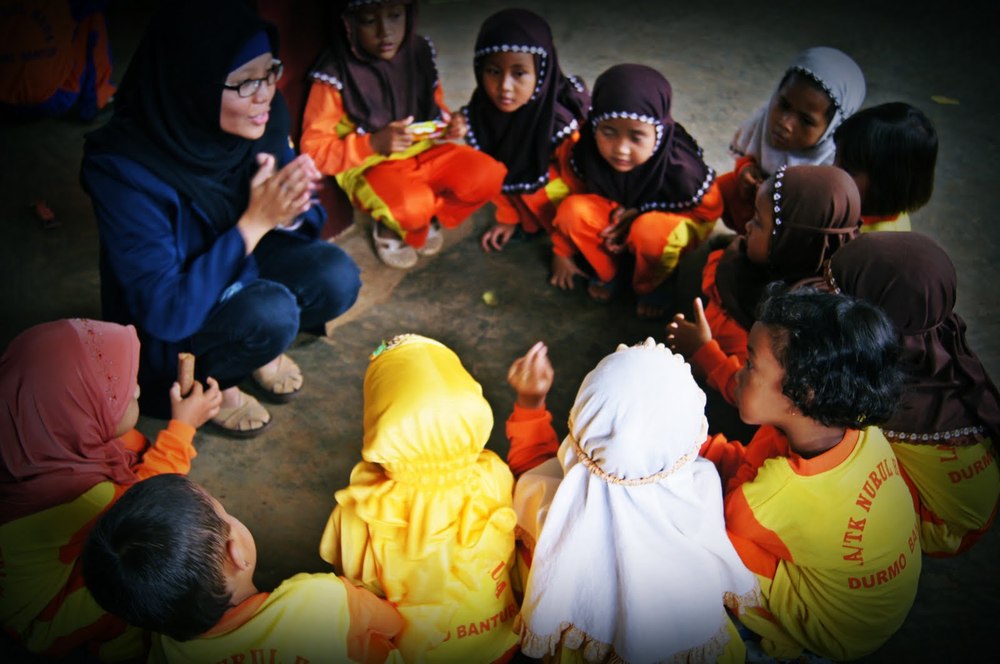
723, 59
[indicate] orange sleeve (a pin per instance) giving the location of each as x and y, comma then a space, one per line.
760, 548
439, 100
727, 455
171, 453
328, 135
718, 368
564, 165
507, 212
711, 205
374, 623
729, 334
532, 439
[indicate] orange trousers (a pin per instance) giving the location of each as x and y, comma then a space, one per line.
657, 238
447, 181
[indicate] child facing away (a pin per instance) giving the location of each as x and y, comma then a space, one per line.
648, 191
526, 114
804, 213
427, 521
890, 150
819, 90
945, 430
816, 504
169, 558
624, 524
375, 96
69, 450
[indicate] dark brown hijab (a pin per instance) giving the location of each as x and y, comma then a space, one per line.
525, 139
376, 92
817, 210
674, 177
911, 277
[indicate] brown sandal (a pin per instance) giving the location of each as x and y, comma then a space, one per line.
244, 421
282, 382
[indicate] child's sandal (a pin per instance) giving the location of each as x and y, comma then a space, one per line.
393, 251
434, 241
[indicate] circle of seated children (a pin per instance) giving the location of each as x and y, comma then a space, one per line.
209, 235
433, 536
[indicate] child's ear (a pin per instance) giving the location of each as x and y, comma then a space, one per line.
235, 556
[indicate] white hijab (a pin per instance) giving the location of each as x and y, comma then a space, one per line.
842, 80
633, 556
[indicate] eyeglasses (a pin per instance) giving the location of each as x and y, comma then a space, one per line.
249, 87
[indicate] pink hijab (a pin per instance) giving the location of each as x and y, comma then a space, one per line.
65, 386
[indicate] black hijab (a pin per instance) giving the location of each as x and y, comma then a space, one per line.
376, 92
168, 105
524, 140
674, 178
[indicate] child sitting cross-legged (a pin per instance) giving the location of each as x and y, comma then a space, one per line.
816, 504
169, 558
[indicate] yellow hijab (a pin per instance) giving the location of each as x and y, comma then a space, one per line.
427, 520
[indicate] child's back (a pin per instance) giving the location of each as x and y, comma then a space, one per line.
945, 430
632, 560
427, 521
890, 150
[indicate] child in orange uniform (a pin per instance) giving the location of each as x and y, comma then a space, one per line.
947, 425
526, 114
69, 390
169, 558
804, 213
820, 89
377, 77
816, 504
647, 191
426, 521
623, 522
890, 150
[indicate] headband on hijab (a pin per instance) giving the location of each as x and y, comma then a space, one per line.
675, 177
525, 139
817, 209
844, 83
632, 471
65, 387
948, 393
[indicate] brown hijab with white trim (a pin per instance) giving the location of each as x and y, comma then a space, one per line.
817, 210
911, 277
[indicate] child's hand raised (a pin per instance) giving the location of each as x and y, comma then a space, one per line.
531, 376
686, 337
393, 137
199, 406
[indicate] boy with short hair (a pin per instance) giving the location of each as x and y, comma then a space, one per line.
169, 558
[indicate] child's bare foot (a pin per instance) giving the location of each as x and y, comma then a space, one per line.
600, 291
